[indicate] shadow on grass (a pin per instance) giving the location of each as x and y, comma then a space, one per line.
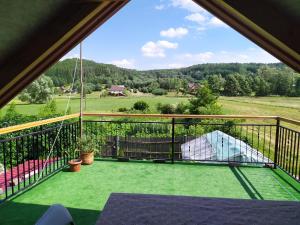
246, 184
289, 181
13, 213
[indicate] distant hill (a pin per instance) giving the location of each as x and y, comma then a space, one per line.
61, 73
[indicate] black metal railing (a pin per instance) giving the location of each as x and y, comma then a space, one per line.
288, 151
184, 140
30, 157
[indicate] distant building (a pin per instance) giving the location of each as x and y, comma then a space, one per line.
193, 87
117, 90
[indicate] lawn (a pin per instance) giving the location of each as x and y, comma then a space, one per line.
282, 106
85, 193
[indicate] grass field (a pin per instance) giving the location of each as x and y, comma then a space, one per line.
281, 106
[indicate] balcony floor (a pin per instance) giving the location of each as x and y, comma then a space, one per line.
86, 193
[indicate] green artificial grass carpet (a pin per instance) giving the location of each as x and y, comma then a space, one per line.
85, 193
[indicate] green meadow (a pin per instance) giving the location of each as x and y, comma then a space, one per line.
277, 106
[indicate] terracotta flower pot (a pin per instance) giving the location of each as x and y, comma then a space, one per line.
75, 165
87, 158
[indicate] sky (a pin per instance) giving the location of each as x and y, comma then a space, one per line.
165, 34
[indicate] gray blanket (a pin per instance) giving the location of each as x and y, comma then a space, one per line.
139, 209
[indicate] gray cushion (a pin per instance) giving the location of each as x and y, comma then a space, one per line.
56, 215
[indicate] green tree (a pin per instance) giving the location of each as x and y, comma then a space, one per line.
297, 86
203, 100
40, 91
232, 86
216, 83
245, 88
262, 88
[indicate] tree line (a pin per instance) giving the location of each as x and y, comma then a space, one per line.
231, 79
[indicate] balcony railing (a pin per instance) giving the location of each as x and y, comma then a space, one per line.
31, 152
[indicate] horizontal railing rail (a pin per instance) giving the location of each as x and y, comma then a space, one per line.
24, 126
181, 116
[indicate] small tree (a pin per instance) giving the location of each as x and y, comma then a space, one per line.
141, 106
203, 100
49, 109
40, 91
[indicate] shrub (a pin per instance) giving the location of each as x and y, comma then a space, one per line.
122, 109
181, 108
159, 91
166, 108
141, 106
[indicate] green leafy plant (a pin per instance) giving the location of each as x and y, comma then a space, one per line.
86, 144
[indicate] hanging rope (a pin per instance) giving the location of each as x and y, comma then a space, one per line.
60, 126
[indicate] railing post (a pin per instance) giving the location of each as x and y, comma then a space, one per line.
276, 143
173, 139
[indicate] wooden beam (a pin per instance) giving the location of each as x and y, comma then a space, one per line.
291, 121
24, 126
181, 116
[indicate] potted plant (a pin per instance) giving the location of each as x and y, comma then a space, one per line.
87, 148
74, 163
121, 156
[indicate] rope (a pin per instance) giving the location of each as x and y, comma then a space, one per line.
60, 126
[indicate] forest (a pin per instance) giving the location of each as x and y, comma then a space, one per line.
228, 79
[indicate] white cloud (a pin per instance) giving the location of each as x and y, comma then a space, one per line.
214, 21
202, 57
160, 7
174, 32
187, 4
157, 49
197, 18
244, 56
124, 63
205, 21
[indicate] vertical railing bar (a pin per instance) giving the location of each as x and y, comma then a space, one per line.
33, 155
17, 156
284, 149
264, 144
11, 166
252, 141
287, 151
258, 142
23, 162
173, 139
38, 153
28, 158
282, 145
290, 151
294, 153
276, 142
5, 169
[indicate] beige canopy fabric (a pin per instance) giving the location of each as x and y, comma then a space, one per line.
36, 33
